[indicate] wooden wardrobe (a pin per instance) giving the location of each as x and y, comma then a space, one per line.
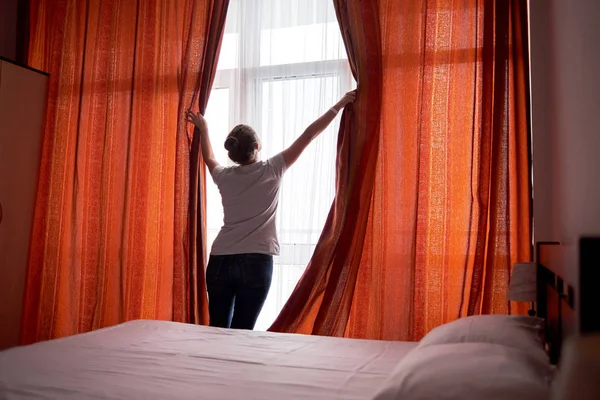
22, 107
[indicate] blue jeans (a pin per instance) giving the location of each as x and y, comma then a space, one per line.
237, 286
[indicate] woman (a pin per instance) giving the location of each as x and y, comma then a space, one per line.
240, 268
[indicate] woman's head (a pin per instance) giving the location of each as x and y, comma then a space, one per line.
242, 144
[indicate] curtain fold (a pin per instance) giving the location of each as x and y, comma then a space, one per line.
215, 25
320, 302
432, 206
110, 235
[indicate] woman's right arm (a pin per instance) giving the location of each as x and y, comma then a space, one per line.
291, 154
207, 151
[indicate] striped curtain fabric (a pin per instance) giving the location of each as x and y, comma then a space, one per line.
432, 206
111, 237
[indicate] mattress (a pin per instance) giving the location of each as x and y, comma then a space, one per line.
168, 360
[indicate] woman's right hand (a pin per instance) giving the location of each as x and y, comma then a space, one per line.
195, 118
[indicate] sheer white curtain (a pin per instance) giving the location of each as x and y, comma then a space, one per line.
282, 65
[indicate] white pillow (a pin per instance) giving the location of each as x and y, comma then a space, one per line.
516, 331
465, 371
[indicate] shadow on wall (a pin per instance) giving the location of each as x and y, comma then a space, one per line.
8, 28
14, 30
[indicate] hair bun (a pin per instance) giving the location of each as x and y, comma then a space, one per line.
231, 143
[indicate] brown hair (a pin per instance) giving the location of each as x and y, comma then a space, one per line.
241, 144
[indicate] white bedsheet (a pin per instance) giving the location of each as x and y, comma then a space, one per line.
167, 360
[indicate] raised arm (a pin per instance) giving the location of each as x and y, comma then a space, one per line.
291, 154
207, 151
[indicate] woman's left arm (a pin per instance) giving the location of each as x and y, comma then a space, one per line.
291, 154
207, 151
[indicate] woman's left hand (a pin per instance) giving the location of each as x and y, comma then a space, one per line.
347, 99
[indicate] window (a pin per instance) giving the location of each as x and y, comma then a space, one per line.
282, 65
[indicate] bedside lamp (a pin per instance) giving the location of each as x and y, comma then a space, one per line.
523, 284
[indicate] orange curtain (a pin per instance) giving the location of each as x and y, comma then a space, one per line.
425, 227
110, 236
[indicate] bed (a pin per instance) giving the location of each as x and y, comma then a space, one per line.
144, 359
492, 357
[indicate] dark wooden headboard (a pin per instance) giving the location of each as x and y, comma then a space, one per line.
568, 283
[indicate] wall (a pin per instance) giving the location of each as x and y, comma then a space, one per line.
565, 83
8, 28
565, 68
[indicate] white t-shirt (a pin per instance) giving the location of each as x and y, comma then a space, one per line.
250, 195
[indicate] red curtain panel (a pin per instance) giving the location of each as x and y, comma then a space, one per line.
433, 195
111, 237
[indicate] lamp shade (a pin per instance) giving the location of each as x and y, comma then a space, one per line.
523, 283
579, 370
